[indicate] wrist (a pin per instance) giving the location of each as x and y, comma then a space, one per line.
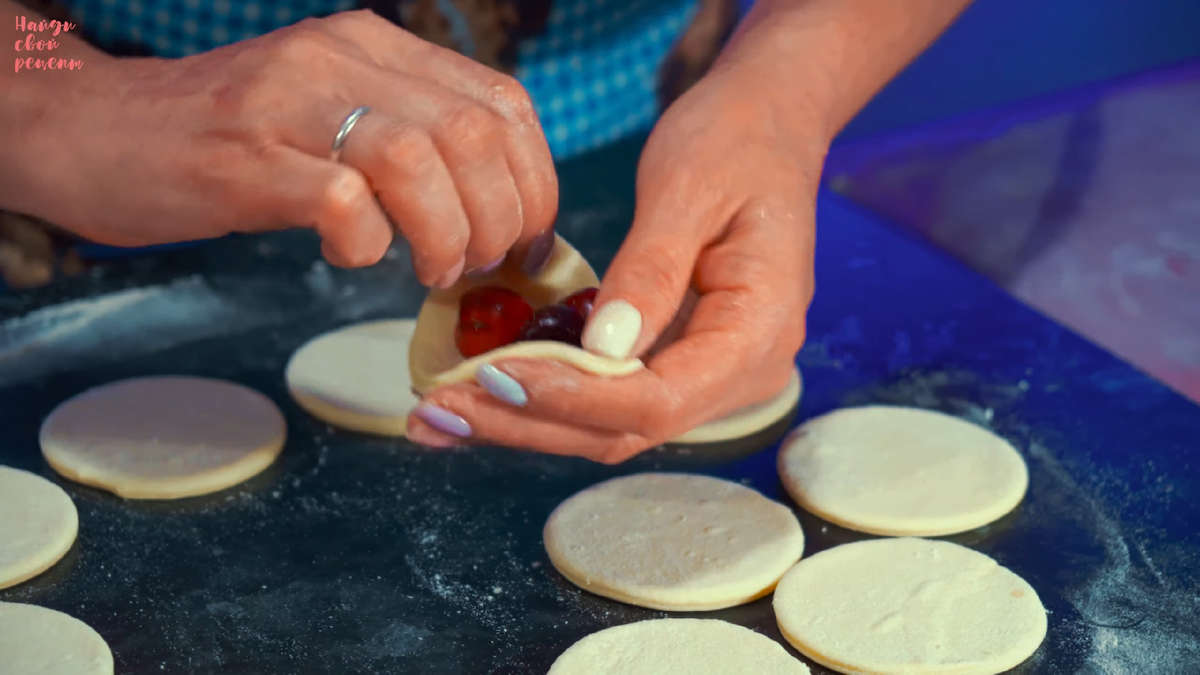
773, 75
820, 61
791, 117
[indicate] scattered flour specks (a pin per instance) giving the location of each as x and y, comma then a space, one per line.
1133, 618
113, 326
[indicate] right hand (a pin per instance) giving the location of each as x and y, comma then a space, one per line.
238, 140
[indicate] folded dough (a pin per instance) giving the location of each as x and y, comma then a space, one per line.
434, 359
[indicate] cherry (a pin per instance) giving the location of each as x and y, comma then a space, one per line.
582, 301
490, 317
558, 323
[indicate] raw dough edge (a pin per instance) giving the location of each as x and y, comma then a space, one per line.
561, 563
343, 418
70, 631
56, 555
789, 484
222, 478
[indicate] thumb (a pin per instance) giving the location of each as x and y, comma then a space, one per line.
643, 288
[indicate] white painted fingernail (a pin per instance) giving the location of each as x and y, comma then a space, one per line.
613, 329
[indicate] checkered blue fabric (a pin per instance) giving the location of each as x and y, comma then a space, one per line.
592, 74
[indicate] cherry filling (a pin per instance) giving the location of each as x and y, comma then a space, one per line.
490, 317
582, 301
558, 323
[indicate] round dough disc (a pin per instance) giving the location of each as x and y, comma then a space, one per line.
163, 437
748, 420
38, 525
909, 606
674, 542
43, 641
662, 646
357, 377
901, 471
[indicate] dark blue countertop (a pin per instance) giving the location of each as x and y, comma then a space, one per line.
361, 555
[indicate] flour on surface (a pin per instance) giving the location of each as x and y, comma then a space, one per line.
1133, 617
117, 325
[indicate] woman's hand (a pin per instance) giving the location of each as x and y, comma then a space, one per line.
724, 232
146, 151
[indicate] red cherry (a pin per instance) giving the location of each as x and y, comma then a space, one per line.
582, 301
489, 317
558, 323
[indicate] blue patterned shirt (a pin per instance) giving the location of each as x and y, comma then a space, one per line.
592, 74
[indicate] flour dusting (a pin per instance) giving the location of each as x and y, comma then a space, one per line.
1134, 618
113, 326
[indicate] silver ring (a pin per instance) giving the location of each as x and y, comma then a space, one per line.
344, 131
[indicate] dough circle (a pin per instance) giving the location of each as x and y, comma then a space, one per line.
909, 606
434, 360
42, 641
674, 542
357, 377
901, 471
749, 420
38, 525
164, 437
667, 646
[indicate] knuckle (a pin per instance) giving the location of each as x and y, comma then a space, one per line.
408, 147
510, 99
354, 18
469, 126
341, 194
305, 44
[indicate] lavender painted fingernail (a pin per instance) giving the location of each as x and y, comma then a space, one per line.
443, 420
486, 269
539, 253
501, 385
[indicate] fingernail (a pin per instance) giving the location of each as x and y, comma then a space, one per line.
443, 420
424, 436
449, 278
613, 329
499, 384
539, 253
486, 269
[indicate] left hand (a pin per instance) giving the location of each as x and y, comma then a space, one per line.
726, 202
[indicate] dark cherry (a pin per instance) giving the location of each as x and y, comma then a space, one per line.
558, 323
489, 317
582, 301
